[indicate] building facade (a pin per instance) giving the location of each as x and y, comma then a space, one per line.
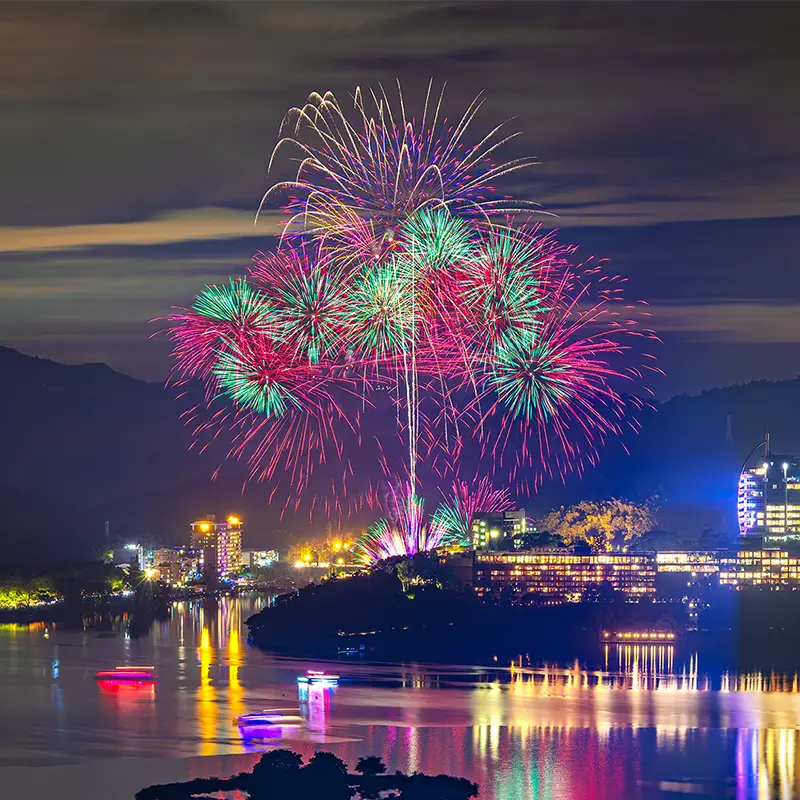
773, 568
557, 576
177, 566
768, 502
221, 546
251, 559
696, 563
491, 528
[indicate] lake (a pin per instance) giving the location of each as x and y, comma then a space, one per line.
636, 722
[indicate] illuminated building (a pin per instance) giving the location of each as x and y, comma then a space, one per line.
777, 569
490, 529
694, 562
221, 544
258, 558
557, 576
768, 501
177, 565
128, 556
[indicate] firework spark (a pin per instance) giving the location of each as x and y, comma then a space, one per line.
456, 514
404, 281
405, 533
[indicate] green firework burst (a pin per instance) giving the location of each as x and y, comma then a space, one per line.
381, 313
433, 238
532, 375
253, 381
501, 284
234, 302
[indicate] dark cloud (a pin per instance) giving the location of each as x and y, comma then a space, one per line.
178, 17
669, 135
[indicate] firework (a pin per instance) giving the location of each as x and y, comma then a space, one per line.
385, 167
231, 312
406, 533
405, 285
306, 298
456, 514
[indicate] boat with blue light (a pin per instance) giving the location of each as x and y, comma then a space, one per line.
316, 678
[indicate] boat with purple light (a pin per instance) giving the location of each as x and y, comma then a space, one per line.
269, 718
121, 673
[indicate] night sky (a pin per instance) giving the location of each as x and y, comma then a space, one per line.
135, 140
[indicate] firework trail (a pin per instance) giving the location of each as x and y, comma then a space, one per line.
456, 514
405, 283
405, 532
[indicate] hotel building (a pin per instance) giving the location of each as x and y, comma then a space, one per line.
177, 565
221, 545
768, 502
490, 529
557, 576
697, 563
777, 569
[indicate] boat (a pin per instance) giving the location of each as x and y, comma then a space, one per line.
315, 678
639, 637
128, 674
268, 718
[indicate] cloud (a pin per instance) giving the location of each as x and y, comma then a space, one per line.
130, 110
740, 322
181, 226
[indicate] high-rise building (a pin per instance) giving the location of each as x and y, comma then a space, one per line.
490, 529
221, 545
768, 502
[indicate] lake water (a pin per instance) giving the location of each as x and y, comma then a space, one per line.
641, 723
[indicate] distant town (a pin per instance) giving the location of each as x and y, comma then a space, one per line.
589, 553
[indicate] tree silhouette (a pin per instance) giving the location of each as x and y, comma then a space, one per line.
280, 775
370, 765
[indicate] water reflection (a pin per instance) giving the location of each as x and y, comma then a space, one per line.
642, 721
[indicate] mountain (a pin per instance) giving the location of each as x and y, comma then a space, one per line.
83, 445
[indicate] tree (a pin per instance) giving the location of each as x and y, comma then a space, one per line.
605, 525
280, 775
276, 761
370, 765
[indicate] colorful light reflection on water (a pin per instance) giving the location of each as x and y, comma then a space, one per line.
641, 722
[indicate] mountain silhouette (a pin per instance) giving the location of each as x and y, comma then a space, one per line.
85, 445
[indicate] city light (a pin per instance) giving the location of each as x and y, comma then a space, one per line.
205, 527
232, 520
150, 573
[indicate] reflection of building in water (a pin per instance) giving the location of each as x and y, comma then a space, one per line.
766, 763
559, 576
